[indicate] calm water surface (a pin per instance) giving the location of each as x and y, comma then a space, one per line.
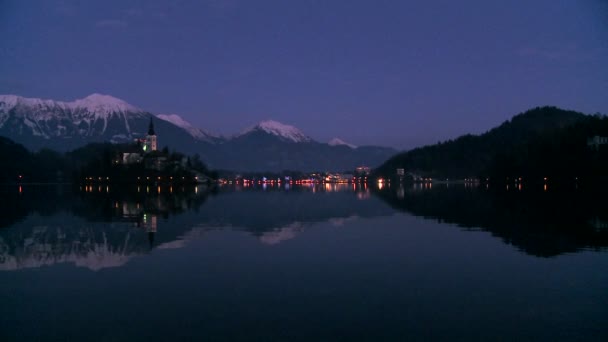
326, 263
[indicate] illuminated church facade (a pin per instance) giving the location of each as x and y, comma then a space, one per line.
150, 144
144, 146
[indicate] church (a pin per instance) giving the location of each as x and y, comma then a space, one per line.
146, 146
150, 144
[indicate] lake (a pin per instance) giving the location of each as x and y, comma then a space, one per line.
302, 263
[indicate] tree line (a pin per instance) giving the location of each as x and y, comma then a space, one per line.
544, 142
93, 161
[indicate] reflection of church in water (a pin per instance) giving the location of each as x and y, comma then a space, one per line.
150, 224
141, 218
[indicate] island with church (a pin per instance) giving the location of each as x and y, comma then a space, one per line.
142, 162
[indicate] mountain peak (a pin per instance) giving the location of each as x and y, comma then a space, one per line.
104, 104
281, 130
339, 142
98, 96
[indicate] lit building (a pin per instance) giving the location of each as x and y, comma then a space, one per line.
362, 171
150, 144
131, 158
135, 155
596, 141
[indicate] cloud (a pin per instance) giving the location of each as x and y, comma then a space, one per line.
222, 5
540, 52
154, 12
559, 53
66, 9
134, 12
111, 24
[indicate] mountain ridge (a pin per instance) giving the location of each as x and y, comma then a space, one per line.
266, 146
281, 130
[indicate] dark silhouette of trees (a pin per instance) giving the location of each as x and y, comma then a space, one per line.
542, 142
98, 160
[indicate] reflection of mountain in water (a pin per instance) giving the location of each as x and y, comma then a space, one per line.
102, 227
536, 222
90, 229
272, 212
60, 238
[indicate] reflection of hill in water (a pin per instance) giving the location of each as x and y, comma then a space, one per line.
536, 222
97, 229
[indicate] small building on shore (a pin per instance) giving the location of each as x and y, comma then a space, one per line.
595, 142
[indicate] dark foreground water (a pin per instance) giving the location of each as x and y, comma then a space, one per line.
326, 263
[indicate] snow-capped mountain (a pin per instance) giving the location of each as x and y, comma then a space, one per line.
286, 132
340, 142
267, 146
95, 115
195, 132
38, 123
103, 105
91, 108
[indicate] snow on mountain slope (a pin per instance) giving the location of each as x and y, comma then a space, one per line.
180, 122
8, 102
48, 118
103, 104
276, 128
339, 142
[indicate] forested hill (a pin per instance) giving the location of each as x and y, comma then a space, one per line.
528, 140
95, 159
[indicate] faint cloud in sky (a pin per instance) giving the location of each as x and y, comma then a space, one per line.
223, 5
134, 12
112, 24
566, 52
154, 11
538, 52
66, 9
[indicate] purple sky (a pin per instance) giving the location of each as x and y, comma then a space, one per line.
395, 73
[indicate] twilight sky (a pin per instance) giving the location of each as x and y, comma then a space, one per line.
398, 73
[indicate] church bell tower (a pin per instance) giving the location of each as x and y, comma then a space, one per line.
151, 143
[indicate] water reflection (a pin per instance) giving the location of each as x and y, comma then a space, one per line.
535, 221
304, 263
104, 227
90, 227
